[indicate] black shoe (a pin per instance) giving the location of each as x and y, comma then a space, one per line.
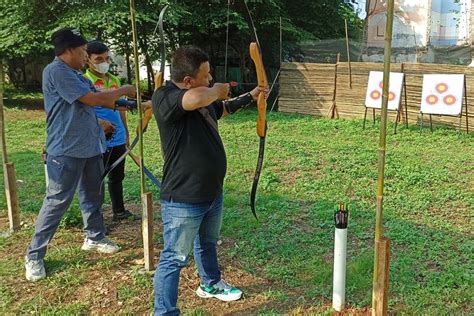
125, 215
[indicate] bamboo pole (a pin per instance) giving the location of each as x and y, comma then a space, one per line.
3, 144
226, 41
465, 103
279, 70
137, 85
381, 258
281, 42
146, 197
8, 168
348, 54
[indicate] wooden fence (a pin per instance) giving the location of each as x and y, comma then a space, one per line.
315, 88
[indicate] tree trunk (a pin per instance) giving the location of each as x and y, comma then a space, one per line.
150, 75
243, 67
149, 68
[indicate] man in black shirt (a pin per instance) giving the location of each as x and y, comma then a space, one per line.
186, 110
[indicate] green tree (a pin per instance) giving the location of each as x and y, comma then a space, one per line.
25, 33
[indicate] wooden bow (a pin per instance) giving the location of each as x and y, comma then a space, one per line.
256, 55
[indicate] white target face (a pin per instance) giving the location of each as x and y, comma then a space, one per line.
373, 99
442, 94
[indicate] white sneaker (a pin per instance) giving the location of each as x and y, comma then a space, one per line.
221, 290
104, 245
34, 269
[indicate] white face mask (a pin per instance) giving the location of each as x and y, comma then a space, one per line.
102, 68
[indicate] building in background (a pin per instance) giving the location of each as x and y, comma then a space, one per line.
120, 68
436, 31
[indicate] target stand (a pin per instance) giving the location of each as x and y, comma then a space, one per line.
443, 95
373, 98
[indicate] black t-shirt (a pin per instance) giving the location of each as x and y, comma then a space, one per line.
195, 161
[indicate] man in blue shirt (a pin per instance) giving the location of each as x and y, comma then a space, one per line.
75, 144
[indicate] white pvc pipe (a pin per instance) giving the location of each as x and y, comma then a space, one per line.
339, 277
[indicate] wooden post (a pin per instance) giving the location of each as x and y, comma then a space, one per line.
147, 230
12, 197
465, 103
333, 109
279, 70
381, 252
348, 54
8, 168
404, 111
381, 285
147, 199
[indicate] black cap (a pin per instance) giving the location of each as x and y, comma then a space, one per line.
65, 38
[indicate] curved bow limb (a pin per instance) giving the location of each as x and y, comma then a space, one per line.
256, 55
160, 75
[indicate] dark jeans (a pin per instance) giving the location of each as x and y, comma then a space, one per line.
116, 177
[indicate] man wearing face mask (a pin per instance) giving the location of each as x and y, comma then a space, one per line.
103, 80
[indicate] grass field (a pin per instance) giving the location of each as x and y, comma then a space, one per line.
283, 262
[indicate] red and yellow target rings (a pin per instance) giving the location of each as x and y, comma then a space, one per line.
375, 95
391, 96
432, 99
441, 87
449, 99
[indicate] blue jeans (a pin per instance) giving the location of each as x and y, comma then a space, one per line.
183, 225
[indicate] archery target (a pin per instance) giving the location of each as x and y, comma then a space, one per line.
442, 94
373, 97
